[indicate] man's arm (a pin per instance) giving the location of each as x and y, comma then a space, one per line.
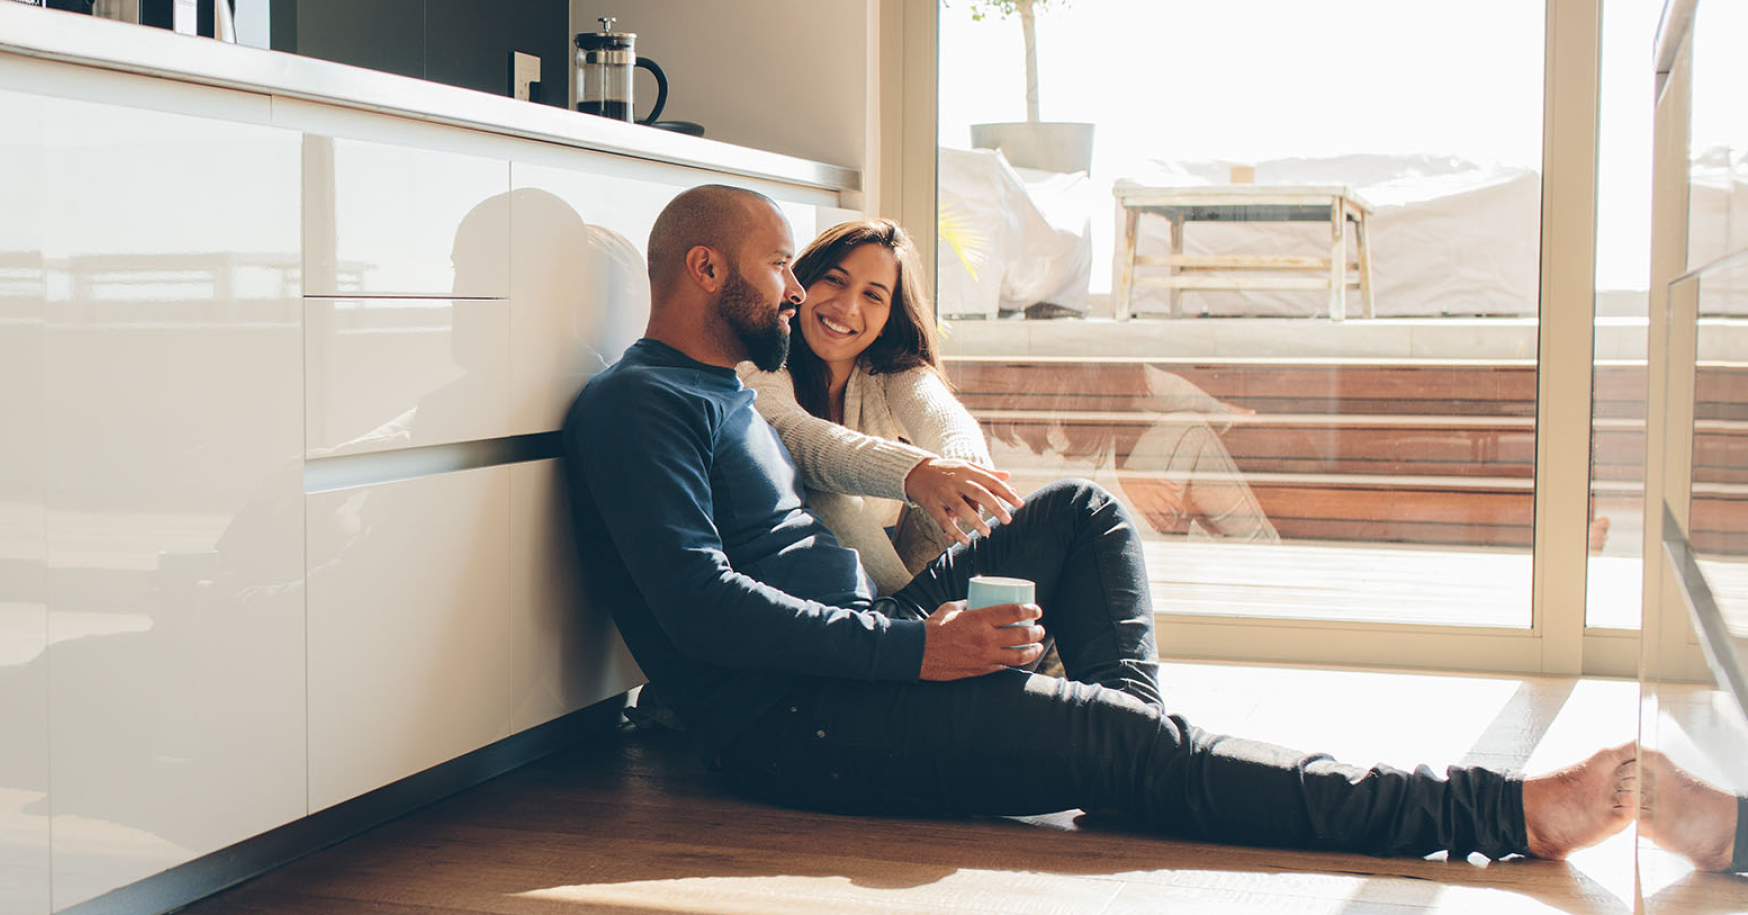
647, 465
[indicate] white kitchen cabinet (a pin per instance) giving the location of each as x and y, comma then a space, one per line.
24, 698
183, 666
565, 653
383, 219
172, 432
385, 373
409, 658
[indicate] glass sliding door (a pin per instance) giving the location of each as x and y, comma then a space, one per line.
1623, 275
1699, 322
1276, 273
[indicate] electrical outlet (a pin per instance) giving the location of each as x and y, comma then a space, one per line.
524, 76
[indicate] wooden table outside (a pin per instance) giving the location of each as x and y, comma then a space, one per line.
1332, 204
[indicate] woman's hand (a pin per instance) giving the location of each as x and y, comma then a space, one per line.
952, 491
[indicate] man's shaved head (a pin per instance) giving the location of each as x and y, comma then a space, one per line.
721, 290
712, 215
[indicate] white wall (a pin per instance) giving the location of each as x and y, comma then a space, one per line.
770, 74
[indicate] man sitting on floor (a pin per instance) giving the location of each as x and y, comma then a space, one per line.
762, 633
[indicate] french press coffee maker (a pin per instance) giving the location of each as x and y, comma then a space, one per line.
605, 61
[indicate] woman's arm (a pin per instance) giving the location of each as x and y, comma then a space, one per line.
922, 403
832, 458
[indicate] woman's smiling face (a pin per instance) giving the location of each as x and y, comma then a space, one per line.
847, 307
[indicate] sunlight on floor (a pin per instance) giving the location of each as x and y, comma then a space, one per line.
1370, 583
774, 893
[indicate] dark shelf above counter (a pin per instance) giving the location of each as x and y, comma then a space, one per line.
34, 32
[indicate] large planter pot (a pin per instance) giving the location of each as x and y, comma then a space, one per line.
1049, 146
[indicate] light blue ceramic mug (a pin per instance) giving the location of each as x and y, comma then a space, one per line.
989, 590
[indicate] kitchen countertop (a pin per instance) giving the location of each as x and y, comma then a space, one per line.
52, 35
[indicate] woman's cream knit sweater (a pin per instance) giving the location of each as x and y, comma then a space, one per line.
855, 472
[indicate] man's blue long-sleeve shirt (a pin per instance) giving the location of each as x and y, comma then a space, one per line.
691, 530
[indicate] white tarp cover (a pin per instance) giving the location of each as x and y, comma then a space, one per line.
1010, 238
1448, 236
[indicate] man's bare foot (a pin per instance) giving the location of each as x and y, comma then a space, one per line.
1579, 805
1686, 815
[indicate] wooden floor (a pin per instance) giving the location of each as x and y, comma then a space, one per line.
632, 823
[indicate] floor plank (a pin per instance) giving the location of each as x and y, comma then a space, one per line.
632, 823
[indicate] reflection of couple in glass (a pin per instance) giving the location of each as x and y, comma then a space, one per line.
1174, 469
581, 283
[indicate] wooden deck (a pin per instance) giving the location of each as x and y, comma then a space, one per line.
632, 824
1419, 453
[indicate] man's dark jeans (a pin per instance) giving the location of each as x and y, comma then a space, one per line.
1018, 743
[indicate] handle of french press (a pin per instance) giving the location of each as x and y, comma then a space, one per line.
661, 88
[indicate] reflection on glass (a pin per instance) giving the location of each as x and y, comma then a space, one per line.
1717, 522
1717, 517
1172, 464
24, 701
1693, 779
1266, 489
390, 373
1690, 816
1694, 735
1717, 202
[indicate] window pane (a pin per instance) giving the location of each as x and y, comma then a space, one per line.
1339, 158
1623, 265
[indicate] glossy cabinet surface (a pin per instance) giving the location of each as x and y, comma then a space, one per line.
384, 373
579, 286
208, 300
409, 658
565, 654
24, 725
384, 219
171, 442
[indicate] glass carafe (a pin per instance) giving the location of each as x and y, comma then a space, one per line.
605, 61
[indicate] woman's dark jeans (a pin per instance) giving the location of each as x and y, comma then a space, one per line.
1015, 743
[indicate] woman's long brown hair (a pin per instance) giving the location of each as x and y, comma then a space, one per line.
907, 341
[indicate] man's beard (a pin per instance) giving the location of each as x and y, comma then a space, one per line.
758, 324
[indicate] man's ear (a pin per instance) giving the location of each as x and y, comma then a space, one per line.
706, 267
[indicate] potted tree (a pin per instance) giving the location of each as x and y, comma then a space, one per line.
1058, 146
